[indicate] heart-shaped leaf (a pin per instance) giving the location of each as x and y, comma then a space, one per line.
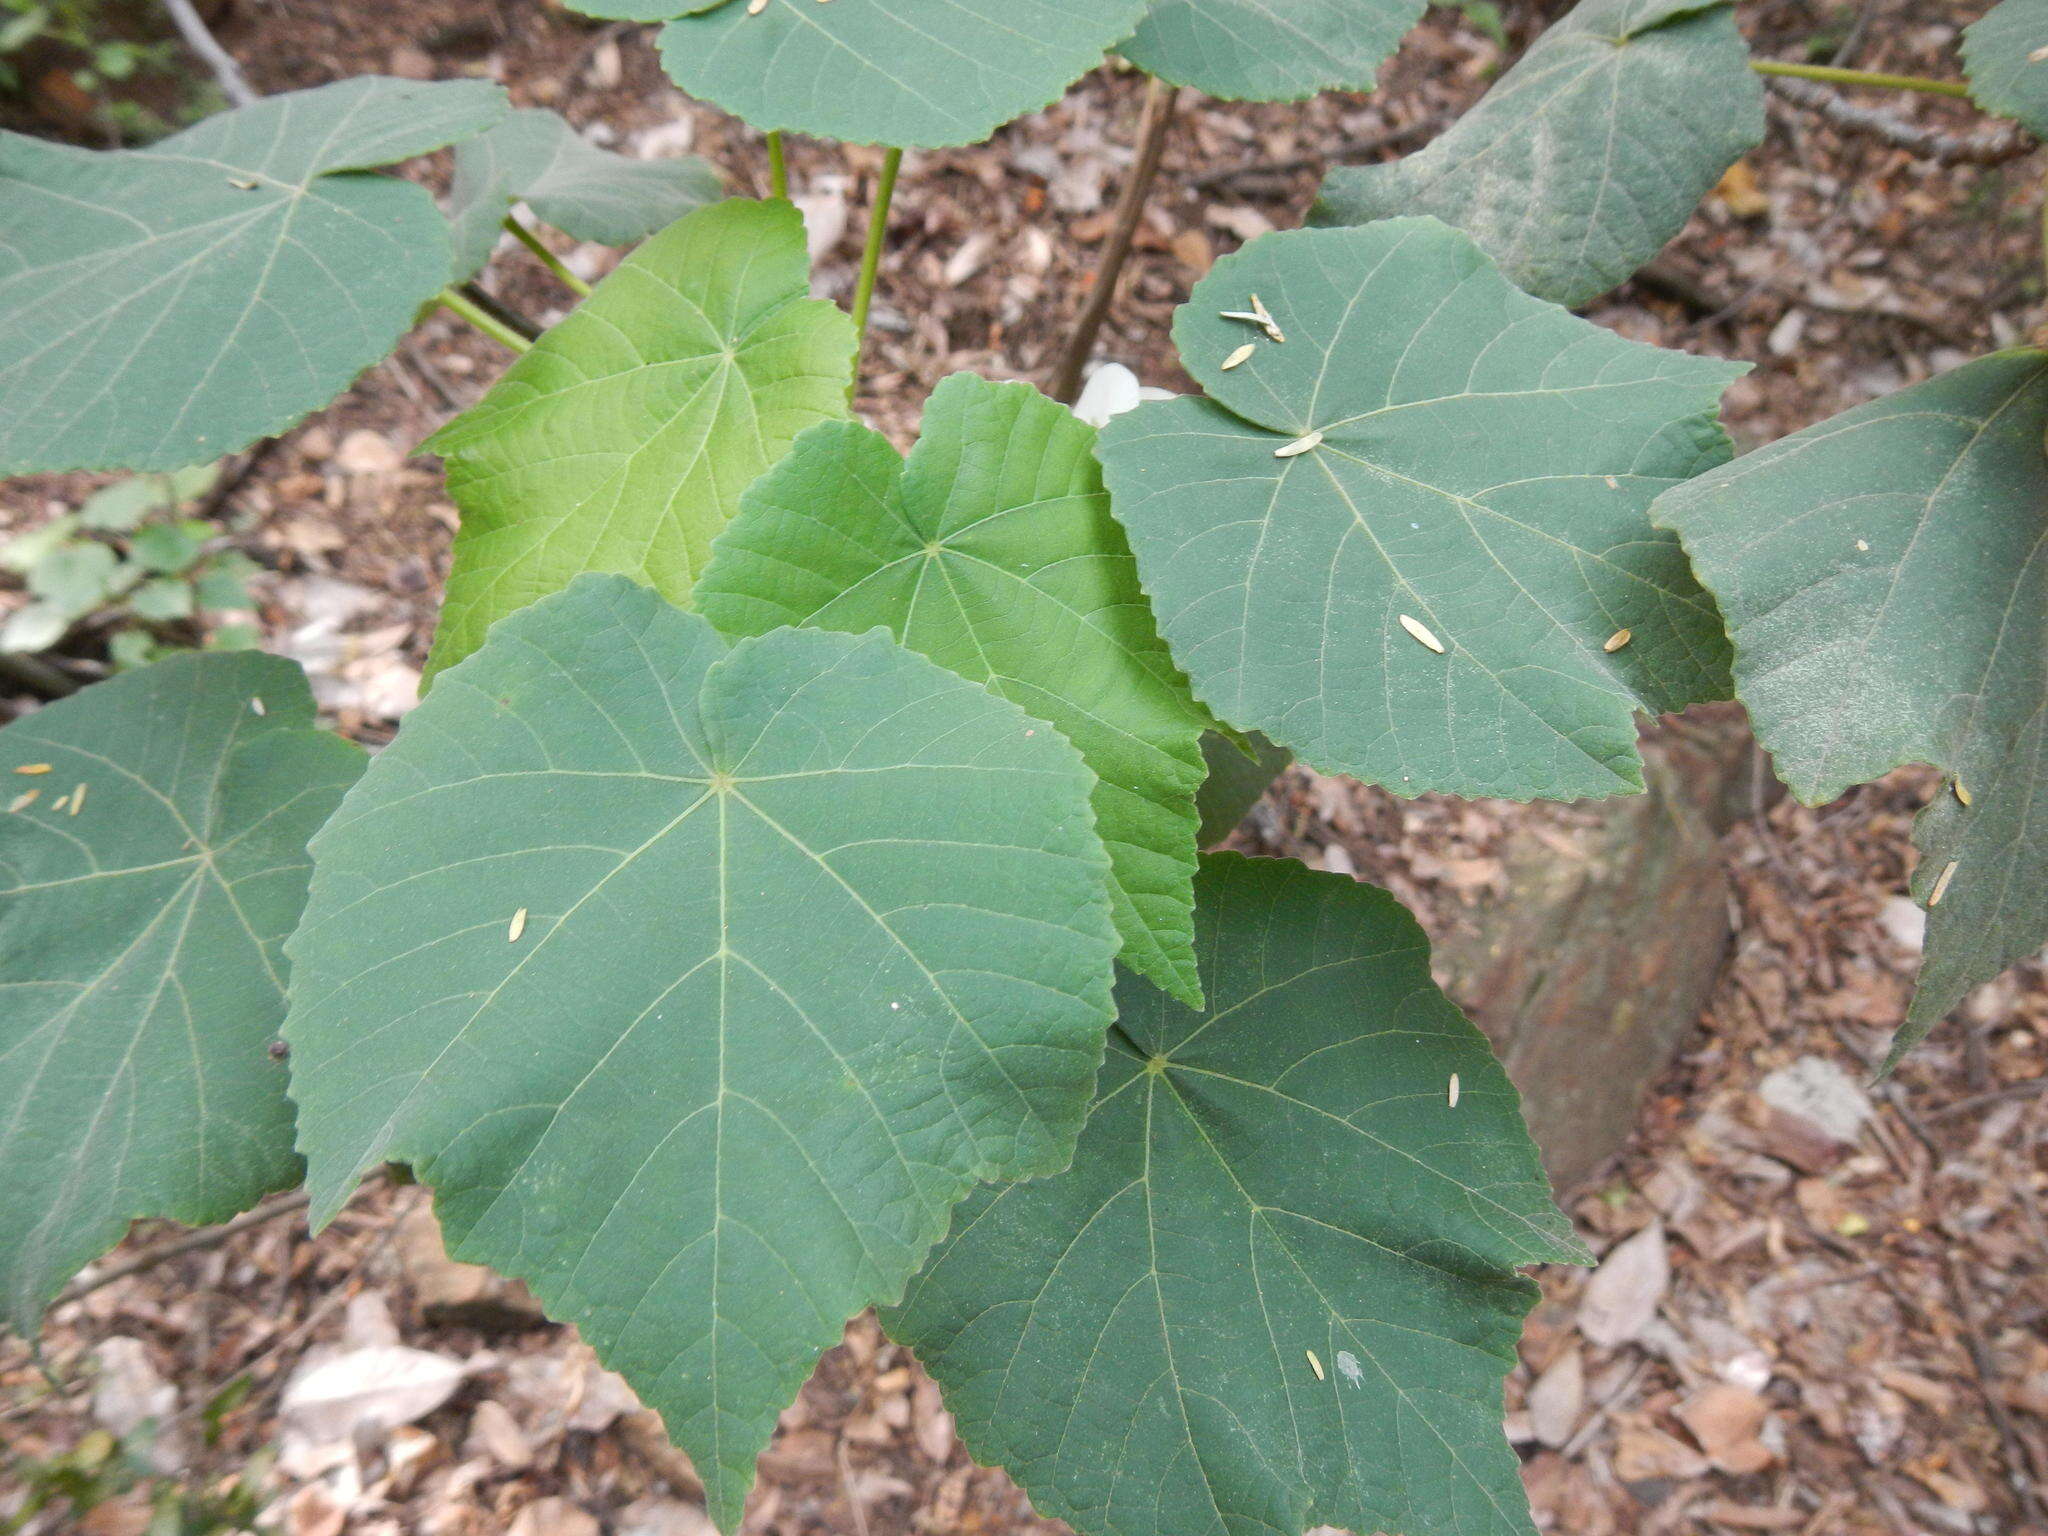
536, 158
1885, 579
992, 551
161, 307
1277, 1288
622, 441
1270, 50
1589, 155
1409, 541
152, 859
2006, 56
917, 73
700, 983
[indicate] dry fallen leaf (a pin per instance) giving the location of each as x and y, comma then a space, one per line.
1622, 1296
368, 1392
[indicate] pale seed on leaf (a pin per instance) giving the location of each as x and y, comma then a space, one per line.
1422, 632
1239, 355
2038, 55
1962, 794
1451, 1097
518, 926
24, 800
78, 800
61, 802
1315, 1365
258, 707
33, 768
1617, 640
756, 7
1266, 319
1941, 885
1299, 445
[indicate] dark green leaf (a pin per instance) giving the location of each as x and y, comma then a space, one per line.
1485, 464
992, 551
536, 158
700, 983
141, 982
1277, 1288
1236, 781
623, 440
2008, 67
1589, 155
162, 307
1885, 578
1270, 50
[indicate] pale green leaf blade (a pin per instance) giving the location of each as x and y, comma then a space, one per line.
705, 982
2006, 57
1589, 155
141, 973
1286, 1174
622, 441
535, 157
992, 551
1484, 473
1270, 50
913, 73
162, 307
1885, 579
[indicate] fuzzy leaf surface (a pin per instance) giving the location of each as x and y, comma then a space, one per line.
1270, 50
536, 158
162, 307
1484, 472
1282, 1176
913, 73
992, 551
1885, 578
1589, 155
623, 440
141, 975
1999, 56
705, 981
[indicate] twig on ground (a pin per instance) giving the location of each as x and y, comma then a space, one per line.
184, 1242
1342, 150
1992, 144
2018, 1470
233, 84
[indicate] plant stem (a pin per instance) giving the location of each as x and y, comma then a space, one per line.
1157, 120
871, 258
778, 165
1828, 74
489, 324
546, 257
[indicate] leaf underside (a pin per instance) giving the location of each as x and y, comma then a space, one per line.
1589, 155
1283, 1176
141, 978
1999, 55
913, 73
1270, 50
1885, 579
622, 441
993, 552
162, 307
1484, 471
535, 157
706, 981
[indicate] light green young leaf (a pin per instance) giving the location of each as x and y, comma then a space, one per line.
1277, 1289
705, 981
2005, 55
536, 158
1430, 459
1885, 579
1270, 50
623, 440
914, 73
76, 578
141, 983
161, 307
166, 597
992, 551
125, 503
1589, 155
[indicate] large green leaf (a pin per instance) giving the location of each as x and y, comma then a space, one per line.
700, 983
1270, 50
1277, 1288
992, 551
1589, 154
1483, 472
161, 307
623, 440
536, 158
152, 859
2004, 56
1885, 579
921, 73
